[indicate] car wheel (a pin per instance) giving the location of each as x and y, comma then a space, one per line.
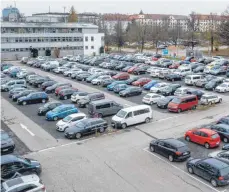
152, 149
224, 90
98, 83
100, 115
101, 129
220, 100
6, 89
225, 140
214, 182
151, 103
24, 103
43, 100
210, 103
69, 75
147, 120
65, 97
124, 125
39, 85
179, 110
187, 138
78, 135
190, 170
171, 158
194, 107
55, 118
206, 145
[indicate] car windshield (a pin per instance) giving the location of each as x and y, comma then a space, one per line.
223, 85
121, 114
224, 171
24, 160
67, 119
214, 136
46, 105
188, 77
4, 136
57, 109
147, 96
176, 100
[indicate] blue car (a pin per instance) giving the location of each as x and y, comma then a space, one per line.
150, 84
36, 97
13, 72
61, 112
112, 85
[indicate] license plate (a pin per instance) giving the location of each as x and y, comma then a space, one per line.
5, 150
185, 153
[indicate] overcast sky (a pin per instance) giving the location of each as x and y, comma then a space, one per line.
182, 7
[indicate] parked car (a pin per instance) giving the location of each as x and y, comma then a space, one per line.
202, 82
92, 77
182, 103
58, 89
51, 89
26, 92
83, 102
192, 79
28, 183
169, 90
48, 107
13, 83
7, 143
173, 149
11, 164
85, 127
213, 84
206, 137
77, 96
39, 81
132, 115
83, 76
198, 93
68, 120
158, 87
222, 88
163, 102
61, 112
120, 87
16, 91
130, 91
181, 91
47, 84
222, 130
225, 147
223, 120
111, 86
210, 169
34, 97
141, 82
121, 76
151, 98
98, 80
220, 155
66, 93
173, 77
150, 84
209, 99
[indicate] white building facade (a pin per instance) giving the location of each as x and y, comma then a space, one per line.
70, 38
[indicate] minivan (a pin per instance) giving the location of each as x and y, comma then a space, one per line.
183, 103
7, 86
131, 116
192, 79
103, 108
90, 97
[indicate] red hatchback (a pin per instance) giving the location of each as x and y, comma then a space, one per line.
58, 89
121, 76
130, 70
141, 81
203, 136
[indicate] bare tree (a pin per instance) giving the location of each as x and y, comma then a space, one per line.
212, 28
176, 33
119, 34
223, 30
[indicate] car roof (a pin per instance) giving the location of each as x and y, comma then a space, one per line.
152, 94
77, 115
101, 101
216, 163
174, 142
65, 105
8, 158
134, 108
225, 126
208, 131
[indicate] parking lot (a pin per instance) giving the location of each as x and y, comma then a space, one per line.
111, 152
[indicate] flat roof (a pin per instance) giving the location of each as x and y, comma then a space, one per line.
49, 25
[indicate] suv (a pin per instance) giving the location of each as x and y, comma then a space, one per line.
77, 96
86, 126
209, 99
36, 97
48, 107
90, 97
170, 90
30, 183
7, 86
11, 164
174, 149
210, 169
7, 144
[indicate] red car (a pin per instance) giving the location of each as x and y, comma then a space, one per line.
130, 70
141, 81
121, 76
58, 89
203, 136
174, 66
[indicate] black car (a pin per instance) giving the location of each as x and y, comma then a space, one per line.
21, 94
7, 144
222, 130
169, 90
213, 84
48, 107
38, 82
163, 103
173, 149
35, 97
198, 93
224, 120
131, 80
120, 66
83, 76
47, 84
16, 91
140, 70
51, 89
31, 81
130, 91
85, 127
225, 147
11, 164
66, 93
91, 77
106, 82
210, 169
198, 69
173, 77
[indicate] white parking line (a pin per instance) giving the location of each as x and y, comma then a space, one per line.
165, 119
24, 127
209, 186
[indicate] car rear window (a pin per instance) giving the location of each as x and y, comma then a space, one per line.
225, 171
215, 136
183, 148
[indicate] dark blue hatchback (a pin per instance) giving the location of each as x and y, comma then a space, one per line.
36, 97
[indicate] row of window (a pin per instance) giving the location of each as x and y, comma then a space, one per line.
92, 38
86, 47
41, 39
45, 48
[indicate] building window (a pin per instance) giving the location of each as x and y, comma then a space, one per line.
16, 40
92, 38
86, 47
92, 47
21, 49
86, 38
17, 49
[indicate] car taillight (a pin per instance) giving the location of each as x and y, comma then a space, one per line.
178, 153
221, 178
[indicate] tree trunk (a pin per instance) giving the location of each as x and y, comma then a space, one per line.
212, 43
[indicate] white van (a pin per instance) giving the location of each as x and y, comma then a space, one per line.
192, 79
181, 91
131, 116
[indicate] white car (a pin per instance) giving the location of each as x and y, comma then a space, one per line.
70, 119
76, 96
181, 91
224, 87
98, 80
30, 183
69, 73
155, 72
208, 99
158, 87
151, 98
220, 154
